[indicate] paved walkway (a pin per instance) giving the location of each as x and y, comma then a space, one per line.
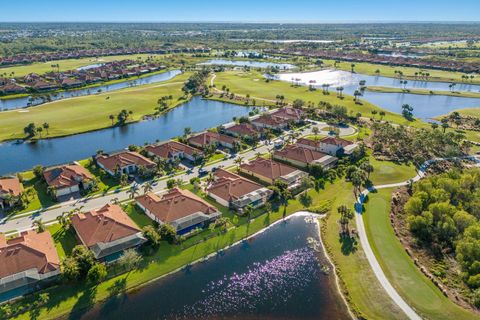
377, 269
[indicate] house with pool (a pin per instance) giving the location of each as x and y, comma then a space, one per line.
182, 209
236, 192
270, 171
27, 263
126, 162
107, 232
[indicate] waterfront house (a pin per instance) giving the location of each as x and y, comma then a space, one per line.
303, 157
236, 192
25, 262
127, 162
68, 180
12, 88
289, 114
10, 192
172, 150
268, 121
244, 130
330, 145
208, 138
270, 171
107, 231
182, 209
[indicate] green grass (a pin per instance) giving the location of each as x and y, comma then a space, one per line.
407, 279
472, 112
82, 114
424, 92
137, 215
106, 182
65, 240
386, 172
66, 64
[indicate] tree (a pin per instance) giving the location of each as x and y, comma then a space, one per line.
97, 273
247, 211
152, 236
147, 187
367, 167
346, 215
171, 183
129, 260
46, 126
298, 103
111, 117
305, 199
187, 132
70, 269
65, 219
40, 225
30, 130
168, 233
132, 191
38, 171
356, 94
84, 258
238, 161
407, 112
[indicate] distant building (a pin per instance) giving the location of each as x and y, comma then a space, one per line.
126, 162
182, 209
10, 191
303, 157
107, 231
68, 179
236, 192
270, 171
25, 262
172, 150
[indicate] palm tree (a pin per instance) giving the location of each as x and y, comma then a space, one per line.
46, 126
65, 219
111, 117
346, 215
187, 132
247, 211
316, 131
339, 92
147, 187
352, 66
238, 161
367, 167
356, 94
133, 191
41, 227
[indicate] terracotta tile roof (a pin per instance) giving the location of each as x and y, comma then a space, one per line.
166, 149
11, 186
30, 250
66, 175
270, 120
175, 204
336, 141
268, 168
288, 113
208, 138
243, 129
123, 159
103, 225
300, 154
230, 186
308, 142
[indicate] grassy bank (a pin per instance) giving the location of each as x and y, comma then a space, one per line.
424, 92
414, 287
82, 114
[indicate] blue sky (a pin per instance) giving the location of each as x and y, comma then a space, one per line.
245, 10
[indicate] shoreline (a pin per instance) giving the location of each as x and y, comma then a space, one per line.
425, 92
205, 258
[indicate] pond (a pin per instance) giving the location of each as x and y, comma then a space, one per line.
7, 104
197, 114
274, 275
425, 106
248, 63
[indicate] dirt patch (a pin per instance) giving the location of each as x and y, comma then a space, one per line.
441, 268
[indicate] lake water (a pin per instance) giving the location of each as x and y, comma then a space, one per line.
274, 275
248, 63
425, 106
197, 113
8, 104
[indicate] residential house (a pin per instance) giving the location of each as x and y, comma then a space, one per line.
270, 171
107, 231
10, 191
236, 192
127, 162
331, 145
303, 157
182, 209
25, 262
12, 88
172, 150
289, 114
208, 138
268, 121
71, 83
244, 130
68, 180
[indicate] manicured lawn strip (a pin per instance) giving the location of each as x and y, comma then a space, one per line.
424, 92
82, 114
386, 172
418, 291
65, 240
365, 293
106, 181
408, 72
253, 83
137, 215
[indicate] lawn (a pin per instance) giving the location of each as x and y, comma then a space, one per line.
418, 291
106, 182
424, 92
253, 83
137, 215
386, 172
65, 240
82, 114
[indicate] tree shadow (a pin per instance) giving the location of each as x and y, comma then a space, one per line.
84, 303
349, 244
117, 296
